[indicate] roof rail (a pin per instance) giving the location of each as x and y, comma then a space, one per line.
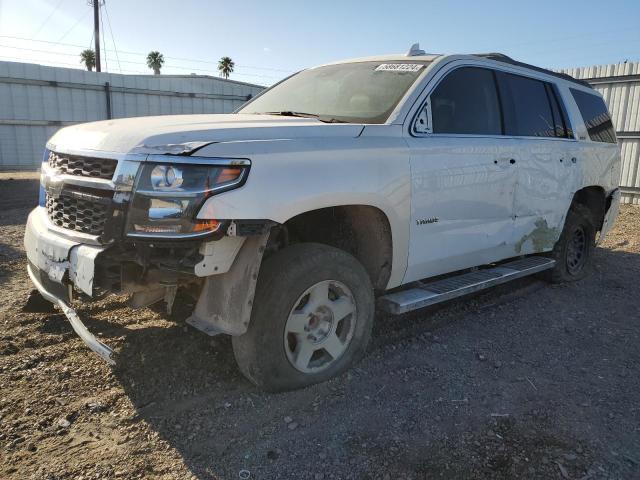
501, 57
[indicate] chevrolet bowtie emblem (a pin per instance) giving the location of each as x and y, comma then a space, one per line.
53, 187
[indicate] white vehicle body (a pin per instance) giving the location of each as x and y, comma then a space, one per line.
450, 201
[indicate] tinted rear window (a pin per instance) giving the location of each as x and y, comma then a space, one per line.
595, 115
528, 109
466, 102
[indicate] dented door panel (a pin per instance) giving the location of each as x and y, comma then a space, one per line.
551, 172
547, 179
466, 184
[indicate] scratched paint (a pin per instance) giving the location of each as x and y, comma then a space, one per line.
543, 237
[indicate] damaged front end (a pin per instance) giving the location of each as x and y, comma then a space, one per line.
128, 224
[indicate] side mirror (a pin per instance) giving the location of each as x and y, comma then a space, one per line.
422, 122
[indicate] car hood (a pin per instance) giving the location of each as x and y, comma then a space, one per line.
177, 134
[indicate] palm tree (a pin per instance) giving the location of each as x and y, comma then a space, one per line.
155, 60
225, 66
88, 57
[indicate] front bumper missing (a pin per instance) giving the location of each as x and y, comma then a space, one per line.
52, 259
106, 353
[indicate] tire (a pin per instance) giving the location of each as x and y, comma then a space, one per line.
290, 294
579, 229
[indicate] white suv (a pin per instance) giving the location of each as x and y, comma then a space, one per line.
342, 183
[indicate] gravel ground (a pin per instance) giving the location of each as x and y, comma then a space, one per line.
525, 381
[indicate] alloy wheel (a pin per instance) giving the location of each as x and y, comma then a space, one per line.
320, 326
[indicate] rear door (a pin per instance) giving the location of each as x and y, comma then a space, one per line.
463, 177
535, 120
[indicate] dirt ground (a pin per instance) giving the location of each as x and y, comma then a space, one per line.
526, 381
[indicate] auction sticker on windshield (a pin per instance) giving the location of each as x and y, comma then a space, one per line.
399, 67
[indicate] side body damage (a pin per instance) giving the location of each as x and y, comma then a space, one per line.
208, 205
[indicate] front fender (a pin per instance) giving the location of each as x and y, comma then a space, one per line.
290, 177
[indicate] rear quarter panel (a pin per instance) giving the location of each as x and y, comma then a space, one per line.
600, 163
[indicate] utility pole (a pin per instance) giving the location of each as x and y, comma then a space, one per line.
96, 31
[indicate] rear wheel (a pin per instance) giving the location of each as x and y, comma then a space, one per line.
311, 319
574, 249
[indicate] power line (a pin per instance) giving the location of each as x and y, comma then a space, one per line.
113, 39
178, 67
539, 41
38, 51
187, 68
22, 60
210, 62
47, 19
625, 55
144, 54
41, 41
72, 65
72, 28
106, 65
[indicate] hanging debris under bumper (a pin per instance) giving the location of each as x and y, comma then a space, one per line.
105, 352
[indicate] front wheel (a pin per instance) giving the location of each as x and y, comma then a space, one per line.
312, 318
574, 248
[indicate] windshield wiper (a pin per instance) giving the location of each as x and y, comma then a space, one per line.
322, 118
289, 113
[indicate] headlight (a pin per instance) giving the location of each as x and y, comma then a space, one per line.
167, 198
166, 177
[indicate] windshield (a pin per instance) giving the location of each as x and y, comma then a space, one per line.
365, 92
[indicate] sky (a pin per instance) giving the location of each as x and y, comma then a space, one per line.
269, 40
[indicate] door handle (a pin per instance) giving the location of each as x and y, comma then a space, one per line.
505, 161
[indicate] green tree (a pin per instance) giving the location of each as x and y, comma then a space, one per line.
225, 66
155, 60
88, 57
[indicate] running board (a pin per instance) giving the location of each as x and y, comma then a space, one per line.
442, 290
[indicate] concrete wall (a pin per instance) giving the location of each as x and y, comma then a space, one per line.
35, 101
620, 87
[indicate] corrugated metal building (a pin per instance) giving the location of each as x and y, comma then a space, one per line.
36, 100
620, 87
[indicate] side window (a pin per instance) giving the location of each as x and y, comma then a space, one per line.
595, 115
528, 110
466, 102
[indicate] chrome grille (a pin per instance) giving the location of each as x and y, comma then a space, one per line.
82, 166
80, 212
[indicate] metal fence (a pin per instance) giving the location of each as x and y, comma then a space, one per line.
620, 87
35, 101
